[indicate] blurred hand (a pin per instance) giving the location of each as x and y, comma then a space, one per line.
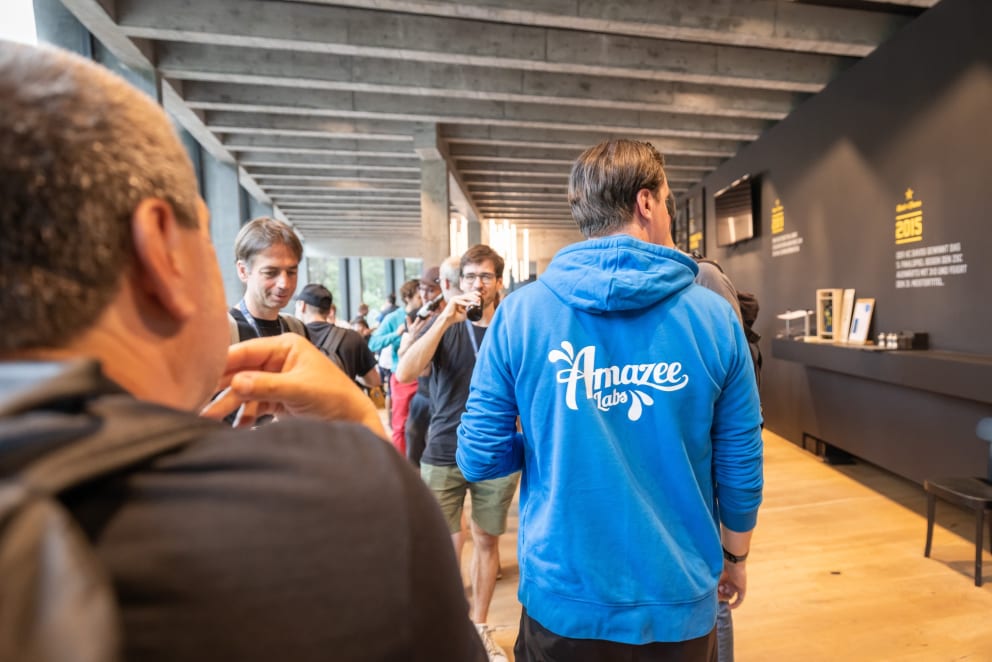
455, 310
286, 374
733, 584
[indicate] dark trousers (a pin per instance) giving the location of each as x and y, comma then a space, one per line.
537, 644
416, 427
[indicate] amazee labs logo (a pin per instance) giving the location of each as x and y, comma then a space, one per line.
613, 385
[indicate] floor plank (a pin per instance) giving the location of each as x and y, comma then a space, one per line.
837, 571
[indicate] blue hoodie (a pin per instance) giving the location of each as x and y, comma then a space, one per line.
639, 410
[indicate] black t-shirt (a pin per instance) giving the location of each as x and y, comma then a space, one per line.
265, 328
353, 351
298, 541
451, 373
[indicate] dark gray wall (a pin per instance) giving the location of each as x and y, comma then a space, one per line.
915, 114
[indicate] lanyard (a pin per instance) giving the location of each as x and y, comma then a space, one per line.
251, 319
471, 336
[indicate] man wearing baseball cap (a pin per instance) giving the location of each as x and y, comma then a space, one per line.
343, 346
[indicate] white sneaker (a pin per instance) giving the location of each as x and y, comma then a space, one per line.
495, 653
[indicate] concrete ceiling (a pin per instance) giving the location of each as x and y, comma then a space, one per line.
327, 106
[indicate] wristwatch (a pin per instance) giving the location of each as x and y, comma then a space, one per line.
734, 558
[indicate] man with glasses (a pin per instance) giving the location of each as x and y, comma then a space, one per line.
640, 431
448, 349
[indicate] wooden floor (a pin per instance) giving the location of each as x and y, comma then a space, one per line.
837, 571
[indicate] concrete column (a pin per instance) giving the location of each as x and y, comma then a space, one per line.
146, 80
54, 24
434, 195
253, 208
473, 230
353, 269
222, 193
394, 277
434, 217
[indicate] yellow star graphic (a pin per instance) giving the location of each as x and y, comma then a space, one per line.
909, 194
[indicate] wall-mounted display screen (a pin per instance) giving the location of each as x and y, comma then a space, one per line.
735, 210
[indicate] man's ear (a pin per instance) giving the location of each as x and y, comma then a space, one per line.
161, 264
644, 208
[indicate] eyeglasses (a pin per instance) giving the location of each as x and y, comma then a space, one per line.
427, 288
486, 278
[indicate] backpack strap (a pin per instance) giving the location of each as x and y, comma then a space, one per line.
235, 332
122, 433
57, 601
334, 338
294, 324
698, 257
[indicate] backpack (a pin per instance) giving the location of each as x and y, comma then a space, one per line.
748, 303
66, 429
329, 343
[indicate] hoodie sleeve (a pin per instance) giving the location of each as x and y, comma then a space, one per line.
737, 445
389, 332
489, 445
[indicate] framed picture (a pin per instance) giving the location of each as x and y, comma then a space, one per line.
847, 312
863, 309
828, 306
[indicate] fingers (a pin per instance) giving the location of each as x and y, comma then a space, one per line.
287, 374
270, 354
730, 593
222, 405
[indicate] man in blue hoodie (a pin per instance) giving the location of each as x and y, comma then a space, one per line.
639, 414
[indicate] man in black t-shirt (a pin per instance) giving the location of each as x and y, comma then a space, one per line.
268, 254
350, 351
448, 348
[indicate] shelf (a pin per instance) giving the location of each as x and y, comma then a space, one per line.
954, 374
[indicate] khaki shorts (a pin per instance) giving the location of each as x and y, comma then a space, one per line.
490, 498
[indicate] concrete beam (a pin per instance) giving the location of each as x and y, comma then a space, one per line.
338, 195
247, 98
578, 140
319, 171
225, 64
367, 149
333, 179
349, 185
393, 245
397, 205
760, 23
337, 30
252, 123
342, 218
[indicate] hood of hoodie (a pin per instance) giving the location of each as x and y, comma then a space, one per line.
617, 273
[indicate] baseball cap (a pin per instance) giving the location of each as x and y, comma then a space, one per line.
431, 276
316, 295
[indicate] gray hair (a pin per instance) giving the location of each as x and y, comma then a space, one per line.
605, 180
451, 268
262, 233
79, 150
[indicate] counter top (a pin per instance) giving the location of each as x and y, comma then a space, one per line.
956, 374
